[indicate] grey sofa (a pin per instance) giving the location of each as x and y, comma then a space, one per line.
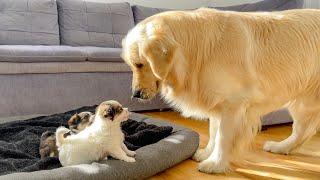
56, 55
59, 55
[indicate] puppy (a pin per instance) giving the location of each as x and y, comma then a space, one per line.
76, 123
104, 137
79, 122
48, 146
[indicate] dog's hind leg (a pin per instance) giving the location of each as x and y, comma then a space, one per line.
306, 116
118, 153
203, 154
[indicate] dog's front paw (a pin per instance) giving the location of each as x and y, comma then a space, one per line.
210, 166
275, 147
130, 159
131, 153
201, 154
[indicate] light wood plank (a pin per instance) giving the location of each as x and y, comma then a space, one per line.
303, 164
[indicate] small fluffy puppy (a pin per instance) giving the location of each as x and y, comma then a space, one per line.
76, 123
48, 146
103, 138
79, 122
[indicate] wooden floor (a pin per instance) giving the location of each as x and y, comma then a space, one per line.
303, 164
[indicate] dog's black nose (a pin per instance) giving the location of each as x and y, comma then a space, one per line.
137, 94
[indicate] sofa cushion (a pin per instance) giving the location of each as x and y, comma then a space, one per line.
103, 54
140, 12
92, 23
29, 22
11, 68
26, 53
266, 5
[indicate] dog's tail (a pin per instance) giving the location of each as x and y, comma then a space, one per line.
60, 135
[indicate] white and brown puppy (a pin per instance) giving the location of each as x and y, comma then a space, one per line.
76, 123
103, 138
232, 68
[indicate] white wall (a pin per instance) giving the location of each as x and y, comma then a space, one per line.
171, 4
183, 4
307, 4
189, 4
217, 3
312, 4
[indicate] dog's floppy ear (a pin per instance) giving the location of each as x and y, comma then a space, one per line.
159, 51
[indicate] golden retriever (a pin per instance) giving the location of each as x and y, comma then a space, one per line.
232, 68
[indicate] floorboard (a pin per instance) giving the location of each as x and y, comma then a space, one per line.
302, 164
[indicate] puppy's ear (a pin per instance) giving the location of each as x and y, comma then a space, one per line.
73, 119
159, 51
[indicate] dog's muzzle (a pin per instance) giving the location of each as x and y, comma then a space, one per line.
137, 94
140, 94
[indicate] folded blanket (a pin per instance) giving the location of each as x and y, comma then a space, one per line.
138, 134
20, 140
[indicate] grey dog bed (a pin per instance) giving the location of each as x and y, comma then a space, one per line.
150, 159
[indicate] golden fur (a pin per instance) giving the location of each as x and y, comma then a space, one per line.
231, 67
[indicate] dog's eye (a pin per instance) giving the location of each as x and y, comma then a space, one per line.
110, 110
139, 65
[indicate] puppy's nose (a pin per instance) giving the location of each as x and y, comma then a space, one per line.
137, 94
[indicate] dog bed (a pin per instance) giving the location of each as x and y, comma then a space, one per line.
150, 159
19, 140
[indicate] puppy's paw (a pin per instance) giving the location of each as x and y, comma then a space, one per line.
131, 153
275, 147
202, 154
130, 159
210, 166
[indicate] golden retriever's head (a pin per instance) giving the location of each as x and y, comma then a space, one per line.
148, 49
